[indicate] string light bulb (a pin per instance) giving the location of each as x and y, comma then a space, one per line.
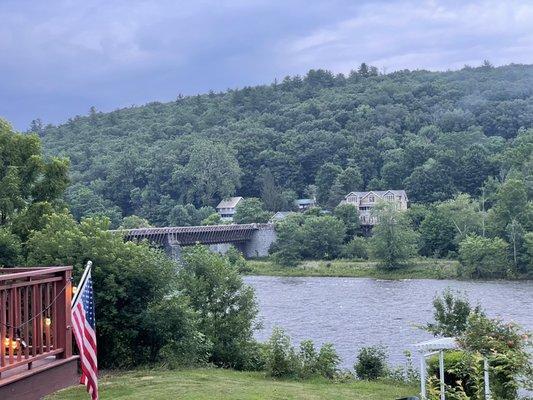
7, 342
74, 289
14, 344
47, 321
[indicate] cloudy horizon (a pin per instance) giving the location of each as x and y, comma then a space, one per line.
59, 58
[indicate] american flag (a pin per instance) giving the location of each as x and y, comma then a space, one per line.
85, 332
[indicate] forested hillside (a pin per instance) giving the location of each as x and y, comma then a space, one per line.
434, 134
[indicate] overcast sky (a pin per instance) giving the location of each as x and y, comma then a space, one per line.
58, 58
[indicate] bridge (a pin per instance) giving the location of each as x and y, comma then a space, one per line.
253, 240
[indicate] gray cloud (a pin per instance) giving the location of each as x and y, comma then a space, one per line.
61, 57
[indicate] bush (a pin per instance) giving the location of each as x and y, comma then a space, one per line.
171, 335
282, 360
483, 257
225, 306
132, 282
322, 237
357, 248
371, 363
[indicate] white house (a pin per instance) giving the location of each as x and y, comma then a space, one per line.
226, 208
366, 201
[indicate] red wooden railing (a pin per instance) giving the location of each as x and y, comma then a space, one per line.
35, 318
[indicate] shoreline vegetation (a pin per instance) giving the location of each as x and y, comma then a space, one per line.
201, 383
419, 268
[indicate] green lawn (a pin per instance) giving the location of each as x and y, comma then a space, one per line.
418, 268
209, 384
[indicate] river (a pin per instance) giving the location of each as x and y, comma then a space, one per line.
356, 312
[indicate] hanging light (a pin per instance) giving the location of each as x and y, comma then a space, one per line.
7, 342
74, 289
47, 321
14, 344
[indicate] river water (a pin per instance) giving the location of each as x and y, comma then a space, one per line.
356, 312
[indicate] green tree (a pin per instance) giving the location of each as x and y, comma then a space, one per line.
10, 248
287, 249
438, 233
325, 178
130, 279
225, 305
249, 211
211, 174
213, 219
272, 195
450, 311
393, 240
322, 237
349, 215
134, 222
28, 182
484, 257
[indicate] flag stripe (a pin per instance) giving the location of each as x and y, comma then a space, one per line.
85, 334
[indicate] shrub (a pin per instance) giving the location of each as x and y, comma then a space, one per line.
225, 306
451, 314
371, 363
132, 282
357, 248
322, 237
170, 334
281, 359
328, 361
483, 257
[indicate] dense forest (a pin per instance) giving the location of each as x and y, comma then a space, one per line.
434, 134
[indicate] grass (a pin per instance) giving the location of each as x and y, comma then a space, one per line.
219, 384
418, 268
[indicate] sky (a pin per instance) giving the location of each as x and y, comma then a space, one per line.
59, 58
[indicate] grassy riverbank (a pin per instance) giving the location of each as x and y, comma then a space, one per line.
204, 384
418, 268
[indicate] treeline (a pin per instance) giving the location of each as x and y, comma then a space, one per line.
434, 134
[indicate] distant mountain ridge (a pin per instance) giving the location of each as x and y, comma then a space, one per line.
431, 133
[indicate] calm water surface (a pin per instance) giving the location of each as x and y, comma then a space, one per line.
356, 312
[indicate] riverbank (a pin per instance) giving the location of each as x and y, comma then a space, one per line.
417, 269
222, 384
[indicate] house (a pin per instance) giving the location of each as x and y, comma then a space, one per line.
304, 204
226, 208
366, 201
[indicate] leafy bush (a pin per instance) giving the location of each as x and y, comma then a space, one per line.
371, 363
357, 248
132, 282
483, 257
225, 306
282, 360
451, 314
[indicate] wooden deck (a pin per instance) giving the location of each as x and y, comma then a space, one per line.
35, 332
46, 376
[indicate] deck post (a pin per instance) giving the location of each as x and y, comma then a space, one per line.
64, 331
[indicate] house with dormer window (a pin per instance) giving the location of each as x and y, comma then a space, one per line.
366, 201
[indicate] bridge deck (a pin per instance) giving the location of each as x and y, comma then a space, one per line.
188, 235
